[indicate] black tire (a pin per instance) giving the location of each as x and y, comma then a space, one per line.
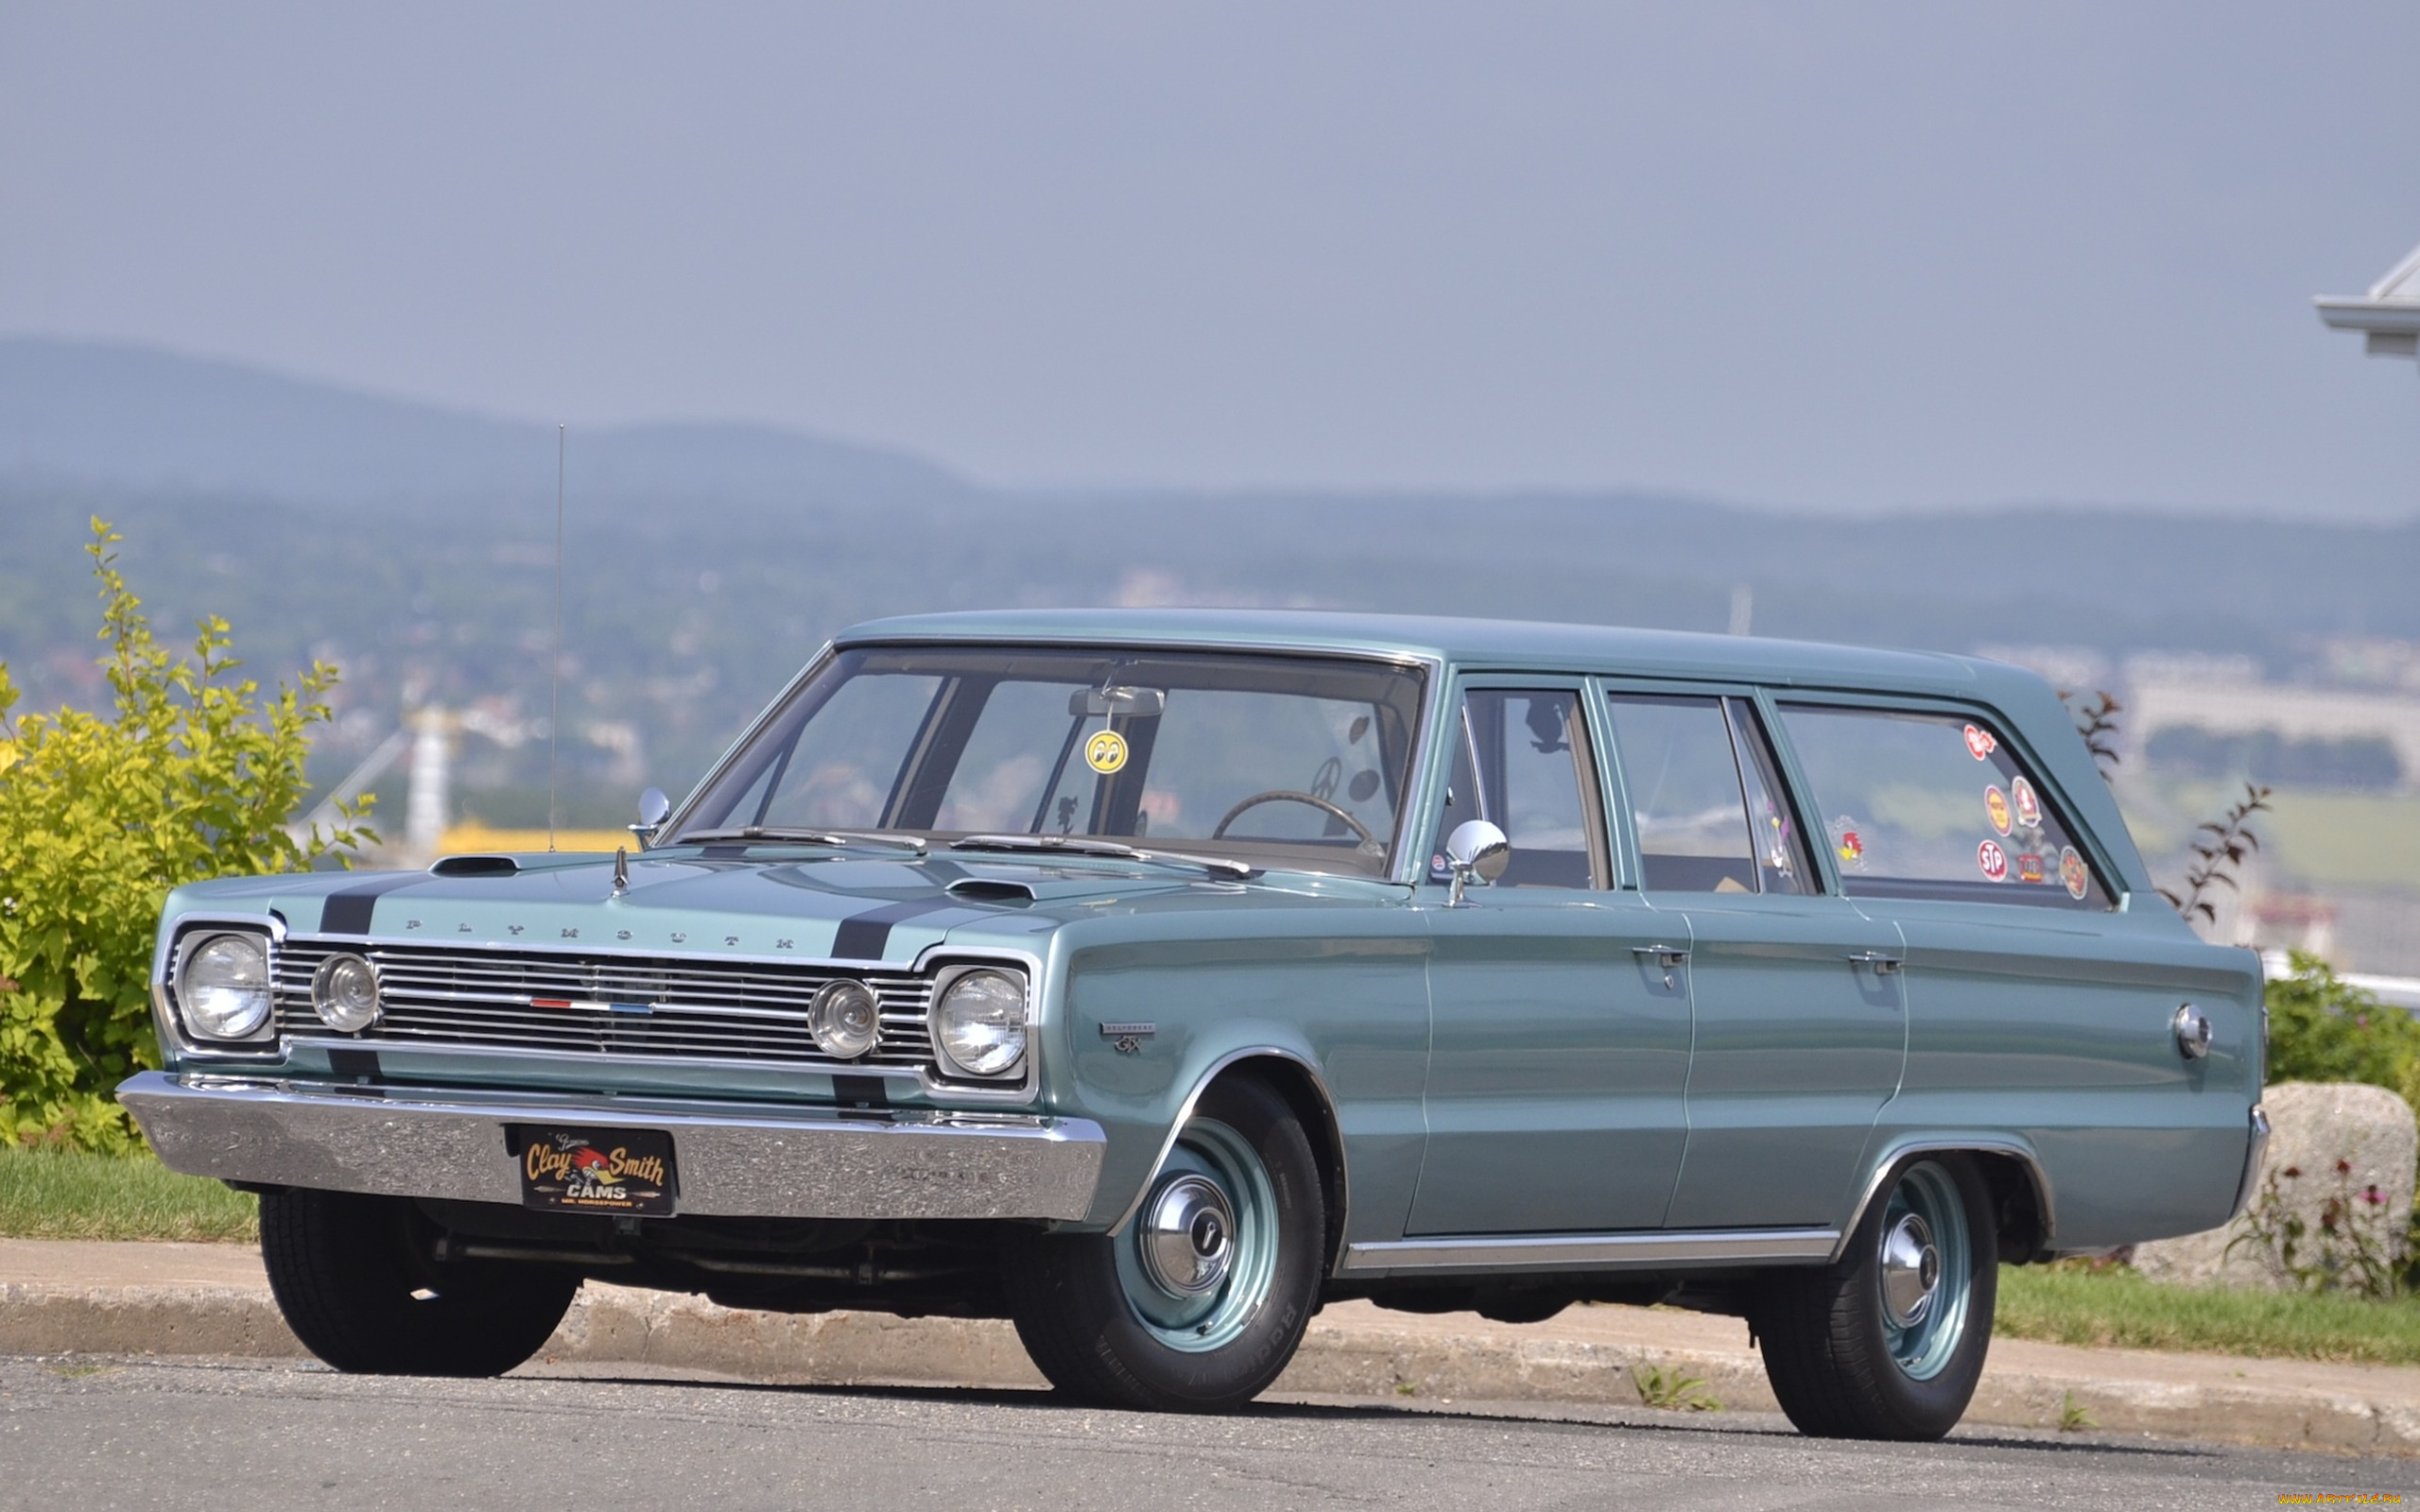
350, 1273
1837, 1362
1070, 1294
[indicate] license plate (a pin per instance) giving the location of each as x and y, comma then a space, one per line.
597, 1170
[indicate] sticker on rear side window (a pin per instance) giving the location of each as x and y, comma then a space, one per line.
2028, 808
2072, 871
1995, 804
1993, 860
1979, 743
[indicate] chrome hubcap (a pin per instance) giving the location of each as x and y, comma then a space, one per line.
1911, 1270
1187, 1240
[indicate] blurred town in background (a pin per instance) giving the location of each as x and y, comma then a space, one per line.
414, 548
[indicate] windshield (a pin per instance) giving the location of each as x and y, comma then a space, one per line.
1284, 761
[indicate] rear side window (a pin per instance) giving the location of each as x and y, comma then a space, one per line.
1702, 797
1923, 805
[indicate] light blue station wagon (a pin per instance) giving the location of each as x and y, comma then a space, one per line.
1151, 977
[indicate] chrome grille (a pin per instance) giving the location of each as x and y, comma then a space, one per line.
604, 1005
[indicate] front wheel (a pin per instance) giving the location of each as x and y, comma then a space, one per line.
1887, 1342
352, 1278
1198, 1302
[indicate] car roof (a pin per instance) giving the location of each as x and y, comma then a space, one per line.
1471, 644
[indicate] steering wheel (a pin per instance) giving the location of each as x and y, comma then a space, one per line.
1281, 794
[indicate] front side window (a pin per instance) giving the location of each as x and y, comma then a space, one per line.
1927, 805
1703, 799
1522, 763
1284, 761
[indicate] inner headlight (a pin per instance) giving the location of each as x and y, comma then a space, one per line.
980, 1024
845, 1019
224, 987
344, 992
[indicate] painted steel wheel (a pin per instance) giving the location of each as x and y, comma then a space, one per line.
1889, 1341
1198, 1301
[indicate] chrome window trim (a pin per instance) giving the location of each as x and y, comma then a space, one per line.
1642, 1250
1417, 775
1327, 1112
167, 959
1899, 1150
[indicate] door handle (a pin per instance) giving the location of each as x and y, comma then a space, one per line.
1663, 956
1883, 963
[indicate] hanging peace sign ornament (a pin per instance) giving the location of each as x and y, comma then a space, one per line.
1105, 752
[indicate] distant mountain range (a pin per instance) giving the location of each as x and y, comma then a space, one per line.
128, 418
412, 543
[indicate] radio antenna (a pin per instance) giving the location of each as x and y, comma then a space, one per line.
555, 679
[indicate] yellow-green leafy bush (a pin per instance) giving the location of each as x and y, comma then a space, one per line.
190, 774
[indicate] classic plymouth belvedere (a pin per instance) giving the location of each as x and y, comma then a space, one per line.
1152, 978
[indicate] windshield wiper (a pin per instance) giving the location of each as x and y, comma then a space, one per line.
1085, 846
839, 839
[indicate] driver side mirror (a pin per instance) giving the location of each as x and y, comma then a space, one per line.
1476, 849
654, 808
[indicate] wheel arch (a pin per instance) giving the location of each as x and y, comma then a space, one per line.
2021, 1196
1296, 1080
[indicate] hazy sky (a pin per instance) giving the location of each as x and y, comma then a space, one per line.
1880, 255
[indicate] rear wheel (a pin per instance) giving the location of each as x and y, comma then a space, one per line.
1889, 1341
350, 1277
1198, 1302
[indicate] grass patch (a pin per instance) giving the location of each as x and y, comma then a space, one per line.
2119, 1309
68, 1194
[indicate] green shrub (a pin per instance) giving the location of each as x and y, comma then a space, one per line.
2323, 1029
191, 774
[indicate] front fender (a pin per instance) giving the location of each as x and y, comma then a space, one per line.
1143, 1028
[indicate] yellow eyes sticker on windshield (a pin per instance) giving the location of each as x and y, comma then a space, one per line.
1106, 751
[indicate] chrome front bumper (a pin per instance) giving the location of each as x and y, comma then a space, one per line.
740, 1160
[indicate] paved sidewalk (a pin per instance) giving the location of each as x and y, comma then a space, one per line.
117, 1299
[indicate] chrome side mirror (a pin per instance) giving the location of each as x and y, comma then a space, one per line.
1476, 849
654, 808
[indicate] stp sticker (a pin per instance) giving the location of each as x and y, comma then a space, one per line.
2029, 867
2028, 808
1995, 804
1105, 752
2073, 872
1979, 742
1993, 860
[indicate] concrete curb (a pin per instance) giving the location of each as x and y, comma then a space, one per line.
1341, 1357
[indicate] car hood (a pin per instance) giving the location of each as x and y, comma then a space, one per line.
843, 908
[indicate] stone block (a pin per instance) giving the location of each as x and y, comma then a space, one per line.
2312, 1126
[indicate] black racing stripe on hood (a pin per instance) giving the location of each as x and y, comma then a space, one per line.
862, 936
348, 912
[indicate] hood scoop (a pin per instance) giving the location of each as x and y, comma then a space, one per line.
994, 890
475, 867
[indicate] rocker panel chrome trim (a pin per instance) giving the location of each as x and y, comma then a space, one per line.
1587, 1252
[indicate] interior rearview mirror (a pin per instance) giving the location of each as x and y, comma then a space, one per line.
1136, 703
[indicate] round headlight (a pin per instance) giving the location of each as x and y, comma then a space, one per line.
845, 1019
981, 1023
224, 989
344, 992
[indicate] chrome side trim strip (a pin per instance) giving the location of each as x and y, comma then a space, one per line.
734, 1159
1624, 1252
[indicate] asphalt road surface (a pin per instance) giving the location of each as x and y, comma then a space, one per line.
264, 1437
